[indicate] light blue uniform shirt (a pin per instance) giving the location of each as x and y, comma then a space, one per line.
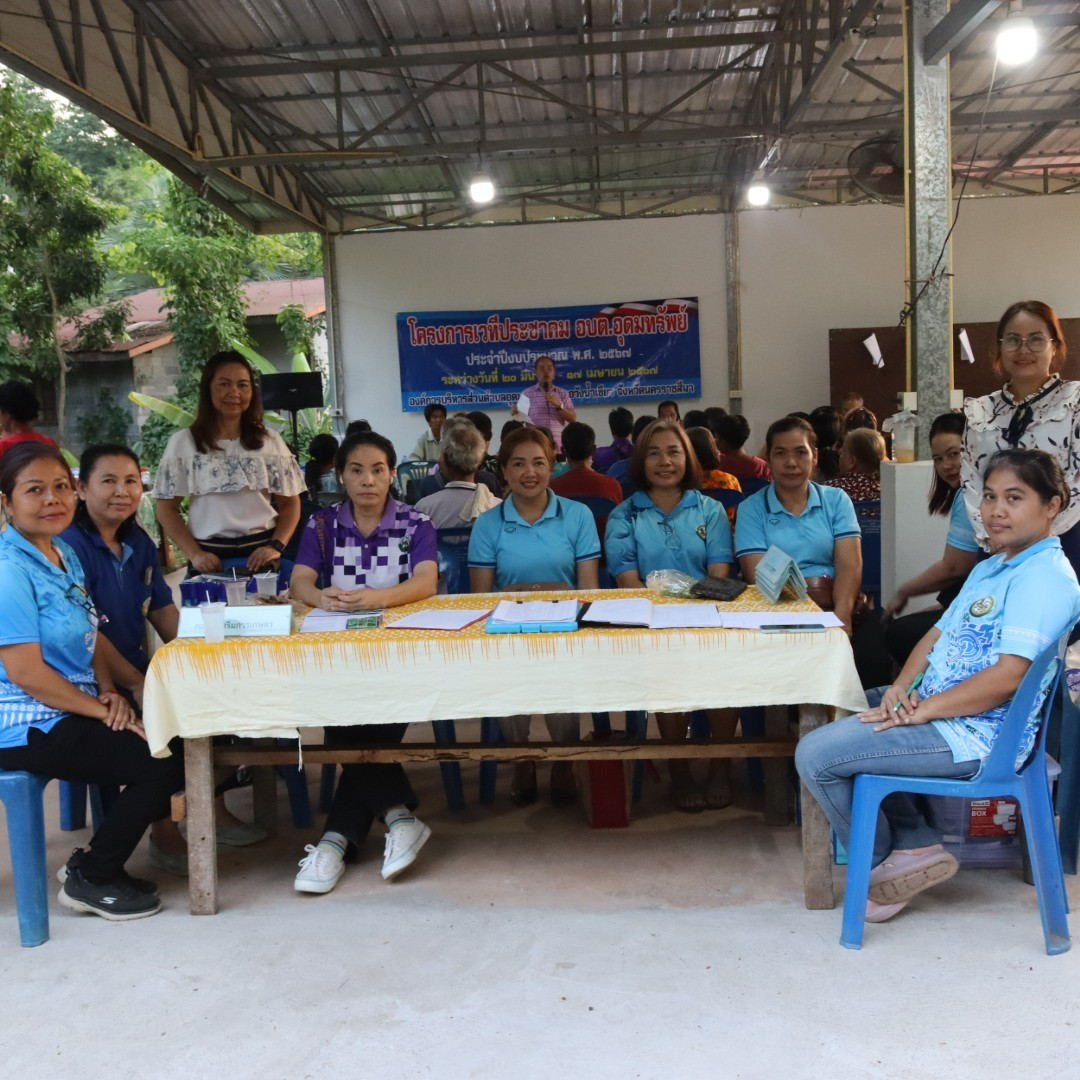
548, 550
44, 604
809, 538
961, 534
1018, 608
640, 536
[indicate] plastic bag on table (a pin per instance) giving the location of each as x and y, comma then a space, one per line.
670, 583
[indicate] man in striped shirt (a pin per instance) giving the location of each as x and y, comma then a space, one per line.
549, 406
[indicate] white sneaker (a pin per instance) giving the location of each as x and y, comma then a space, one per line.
320, 870
404, 839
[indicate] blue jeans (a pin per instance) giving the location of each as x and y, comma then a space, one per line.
829, 759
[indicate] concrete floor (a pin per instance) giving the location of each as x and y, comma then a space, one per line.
525, 945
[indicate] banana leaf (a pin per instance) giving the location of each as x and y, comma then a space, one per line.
176, 415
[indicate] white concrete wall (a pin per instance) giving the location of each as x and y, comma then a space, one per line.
802, 273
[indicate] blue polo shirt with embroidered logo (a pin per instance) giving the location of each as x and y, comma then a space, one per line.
809, 538
547, 550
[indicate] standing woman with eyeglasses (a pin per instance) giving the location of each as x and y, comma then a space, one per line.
1035, 410
60, 712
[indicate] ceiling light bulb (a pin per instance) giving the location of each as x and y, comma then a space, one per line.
1017, 42
758, 194
481, 190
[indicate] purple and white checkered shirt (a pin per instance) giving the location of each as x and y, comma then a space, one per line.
546, 415
403, 539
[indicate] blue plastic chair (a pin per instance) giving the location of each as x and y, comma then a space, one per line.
409, 475
1029, 786
21, 794
868, 513
73, 798
453, 555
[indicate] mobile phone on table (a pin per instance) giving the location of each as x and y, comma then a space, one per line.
794, 628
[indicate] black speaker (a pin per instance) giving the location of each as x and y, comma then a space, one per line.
292, 391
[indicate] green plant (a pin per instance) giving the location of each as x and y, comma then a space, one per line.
108, 423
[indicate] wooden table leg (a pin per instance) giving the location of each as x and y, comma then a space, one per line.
817, 859
776, 770
202, 842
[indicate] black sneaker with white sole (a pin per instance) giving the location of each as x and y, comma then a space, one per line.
143, 885
114, 900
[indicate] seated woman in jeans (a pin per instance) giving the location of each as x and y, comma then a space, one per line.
942, 714
368, 553
60, 712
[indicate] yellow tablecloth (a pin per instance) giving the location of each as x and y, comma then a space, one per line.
276, 685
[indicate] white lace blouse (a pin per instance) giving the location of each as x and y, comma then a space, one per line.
1054, 427
229, 488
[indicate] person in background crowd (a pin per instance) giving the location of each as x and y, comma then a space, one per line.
961, 554
462, 499
713, 478
534, 540
856, 419
368, 553
667, 524
549, 405
713, 415
620, 423
60, 712
944, 711
621, 469
861, 455
851, 400
695, 418
427, 445
581, 479
19, 410
732, 433
319, 474
826, 424
357, 427
229, 464
669, 410
815, 525
488, 473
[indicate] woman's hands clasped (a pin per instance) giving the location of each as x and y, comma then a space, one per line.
334, 598
898, 708
119, 715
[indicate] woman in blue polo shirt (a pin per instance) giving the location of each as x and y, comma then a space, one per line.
124, 579
966, 669
534, 540
60, 713
669, 525
813, 524
368, 553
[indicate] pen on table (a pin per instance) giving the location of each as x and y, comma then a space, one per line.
915, 684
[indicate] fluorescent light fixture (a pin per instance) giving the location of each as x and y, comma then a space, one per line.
1017, 42
481, 190
758, 194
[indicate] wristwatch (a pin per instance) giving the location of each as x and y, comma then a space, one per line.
277, 545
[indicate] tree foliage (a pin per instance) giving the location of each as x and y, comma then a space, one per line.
50, 225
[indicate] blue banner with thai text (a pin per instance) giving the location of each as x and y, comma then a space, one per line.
635, 351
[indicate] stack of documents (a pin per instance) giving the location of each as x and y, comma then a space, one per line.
776, 572
533, 616
641, 612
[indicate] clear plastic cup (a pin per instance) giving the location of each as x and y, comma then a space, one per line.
266, 584
213, 620
236, 592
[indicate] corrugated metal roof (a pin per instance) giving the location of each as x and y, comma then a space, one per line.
376, 114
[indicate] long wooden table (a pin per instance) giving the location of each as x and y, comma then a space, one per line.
262, 687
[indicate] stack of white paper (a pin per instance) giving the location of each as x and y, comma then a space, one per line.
636, 611
439, 619
535, 611
777, 571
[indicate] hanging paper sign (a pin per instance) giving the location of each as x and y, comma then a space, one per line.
874, 349
965, 347
639, 351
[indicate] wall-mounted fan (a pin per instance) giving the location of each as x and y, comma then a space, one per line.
877, 168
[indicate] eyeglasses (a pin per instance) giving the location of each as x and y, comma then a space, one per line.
1036, 343
81, 598
671, 538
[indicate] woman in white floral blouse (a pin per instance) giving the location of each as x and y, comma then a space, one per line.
229, 464
1035, 410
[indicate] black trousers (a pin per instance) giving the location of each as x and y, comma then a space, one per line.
79, 748
366, 792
